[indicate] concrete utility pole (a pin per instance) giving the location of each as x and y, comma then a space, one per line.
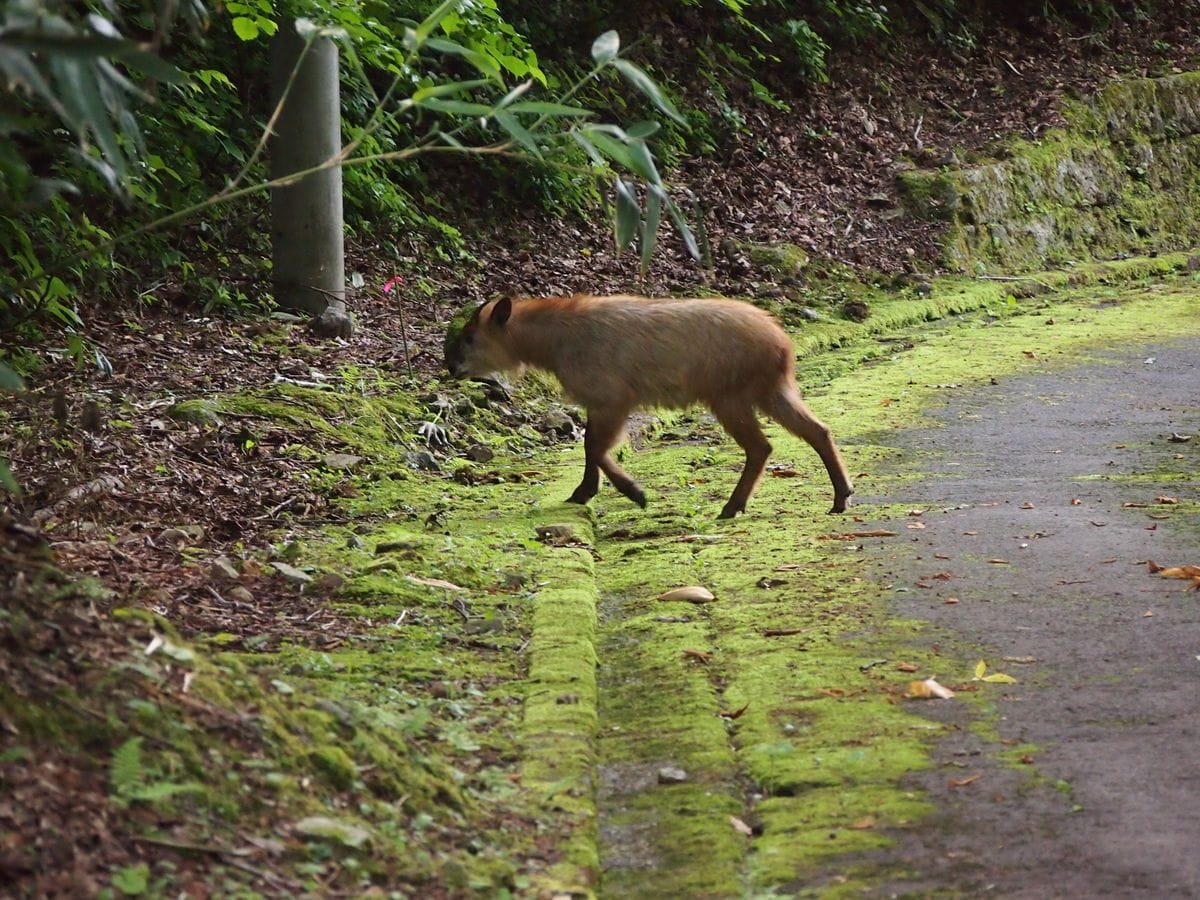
307, 248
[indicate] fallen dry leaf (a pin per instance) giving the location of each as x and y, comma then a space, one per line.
853, 535
741, 827
998, 561
906, 667
1165, 499
691, 594
915, 525
963, 782
1178, 572
928, 689
950, 601
732, 713
434, 582
699, 655
1027, 505
864, 823
784, 473
781, 632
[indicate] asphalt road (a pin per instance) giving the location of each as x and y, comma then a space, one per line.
1059, 476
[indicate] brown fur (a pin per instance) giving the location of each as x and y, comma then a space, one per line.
616, 354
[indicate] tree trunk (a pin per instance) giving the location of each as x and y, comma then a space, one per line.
308, 256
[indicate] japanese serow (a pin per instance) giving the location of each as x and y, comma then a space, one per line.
613, 355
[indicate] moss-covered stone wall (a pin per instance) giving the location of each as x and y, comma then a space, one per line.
1123, 178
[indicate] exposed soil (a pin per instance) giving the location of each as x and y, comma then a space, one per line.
1070, 479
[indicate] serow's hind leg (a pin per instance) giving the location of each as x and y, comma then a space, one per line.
790, 411
743, 427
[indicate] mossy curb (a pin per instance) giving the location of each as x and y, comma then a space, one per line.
558, 732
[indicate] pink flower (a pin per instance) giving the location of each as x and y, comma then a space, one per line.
392, 282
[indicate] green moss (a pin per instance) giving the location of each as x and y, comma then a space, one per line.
1120, 180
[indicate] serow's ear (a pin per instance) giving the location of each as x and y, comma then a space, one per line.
501, 311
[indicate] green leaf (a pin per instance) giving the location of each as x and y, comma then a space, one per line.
628, 214
6, 479
614, 150
685, 232
10, 380
541, 108
442, 90
425, 29
457, 107
646, 85
593, 154
480, 61
512, 95
654, 204
517, 131
132, 880
126, 771
605, 47
642, 130
246, 29
161, 790
643, 162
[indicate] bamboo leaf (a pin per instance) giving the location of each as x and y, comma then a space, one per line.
614, 150
642, 130
517, 131
541, 108
628, 214
654, 203
605, 47
442, 90
480, 61
7, 480
646, 85
457, 107
10, 380
425, 29
681, 225
589, 148
643, 162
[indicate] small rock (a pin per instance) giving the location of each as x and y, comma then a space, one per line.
422, 459
223, 567
558, 421
479, 453
811, 314
557, 535
330, 581
339, 830
672, 775
240, 594
334, 322
194, 412
291, 573
394, 546
856, 310
345, 461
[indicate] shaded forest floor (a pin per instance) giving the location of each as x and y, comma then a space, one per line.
152, 500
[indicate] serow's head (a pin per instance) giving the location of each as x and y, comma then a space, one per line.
477, 341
